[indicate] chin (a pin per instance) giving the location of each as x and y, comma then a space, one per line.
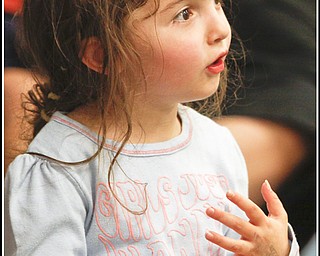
211, 89
203, 96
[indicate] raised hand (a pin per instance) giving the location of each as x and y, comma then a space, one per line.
260, 236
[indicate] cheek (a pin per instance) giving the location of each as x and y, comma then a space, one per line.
174, 62
181, 56
181, 53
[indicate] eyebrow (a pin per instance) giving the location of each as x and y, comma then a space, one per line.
166, 8
170, 6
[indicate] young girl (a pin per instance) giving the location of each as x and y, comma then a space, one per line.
118, 166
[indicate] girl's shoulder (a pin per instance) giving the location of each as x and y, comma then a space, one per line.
208, 132
29, 169
33, 180
65, 140
32, 171
204, 124
58, 141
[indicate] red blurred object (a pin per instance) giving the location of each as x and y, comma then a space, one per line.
12, 6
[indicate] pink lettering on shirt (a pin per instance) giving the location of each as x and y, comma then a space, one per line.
174, 223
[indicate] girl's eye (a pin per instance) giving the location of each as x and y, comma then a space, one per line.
183, 15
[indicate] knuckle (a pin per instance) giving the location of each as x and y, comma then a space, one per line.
269, 224
238, 225
257, 237
253, 209
236, 248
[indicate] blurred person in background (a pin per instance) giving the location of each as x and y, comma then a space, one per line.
11, 8
273, 118
17, 80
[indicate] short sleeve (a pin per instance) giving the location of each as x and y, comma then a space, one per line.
294, 250
43, 195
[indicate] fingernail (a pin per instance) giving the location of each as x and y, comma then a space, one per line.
230, 193
268, 185
210, 211
209, 234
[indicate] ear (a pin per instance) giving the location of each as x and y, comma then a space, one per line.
92, 54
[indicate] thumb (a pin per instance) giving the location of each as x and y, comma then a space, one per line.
274, 205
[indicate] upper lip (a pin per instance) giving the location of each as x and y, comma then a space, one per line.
221, 55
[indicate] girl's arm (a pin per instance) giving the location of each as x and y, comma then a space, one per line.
45, 209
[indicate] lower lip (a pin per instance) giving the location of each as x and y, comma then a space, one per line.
217, 67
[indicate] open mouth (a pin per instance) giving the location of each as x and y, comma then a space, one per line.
216, 66
217, 62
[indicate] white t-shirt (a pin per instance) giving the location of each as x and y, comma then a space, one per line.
55, 209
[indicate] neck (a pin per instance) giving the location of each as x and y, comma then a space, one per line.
155, 124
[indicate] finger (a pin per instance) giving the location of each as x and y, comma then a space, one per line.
240, 247
242, 227
253, 212
273, 202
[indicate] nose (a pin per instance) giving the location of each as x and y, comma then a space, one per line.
218, 25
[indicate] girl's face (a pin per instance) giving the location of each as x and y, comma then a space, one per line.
182, 47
